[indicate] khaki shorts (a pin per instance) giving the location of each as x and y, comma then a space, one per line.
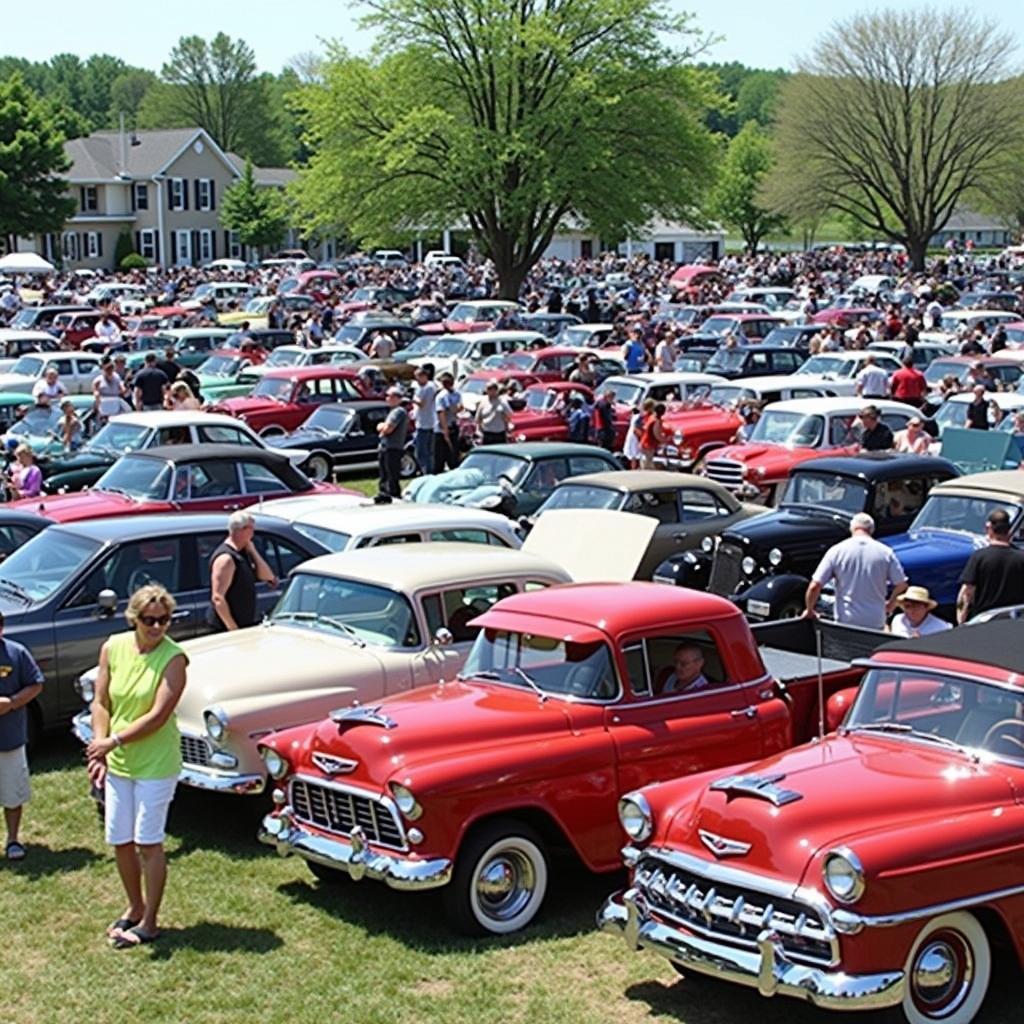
15, 789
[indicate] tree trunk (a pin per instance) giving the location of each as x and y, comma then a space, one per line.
917, 250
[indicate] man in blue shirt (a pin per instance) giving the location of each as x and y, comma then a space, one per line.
634, 354
20, 683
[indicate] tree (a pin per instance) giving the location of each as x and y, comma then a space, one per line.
737, 199
32, 194
258, 214
127, 93
123, 247
538, 114
897, 117
213, 86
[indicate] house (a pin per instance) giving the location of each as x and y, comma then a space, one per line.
162, 187
984, 231
662, 240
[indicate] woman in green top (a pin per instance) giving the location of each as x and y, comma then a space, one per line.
135, 754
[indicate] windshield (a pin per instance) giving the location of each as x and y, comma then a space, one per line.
260, 304
923, 706
515, 361
142, 478
273, 387
941, 367
952, 414
29, 366
372, 614
789, 428
202, 291
575, 337
468, 312
726, 359
729, 395
331, 417
718, 325
552, 665
625, 393
25, 318
475, 387
285, 357
420, 347
538, 400
220, 366
39, 421
450, 347
829, 366
119, 437
959, 513
582, 496
42, 564
785, 336
826, 490
333, 540
494, 464
953, 323
289, 284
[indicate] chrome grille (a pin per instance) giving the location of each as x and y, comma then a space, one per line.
735, 913
340, 810
727, 472
725, 569
195, 751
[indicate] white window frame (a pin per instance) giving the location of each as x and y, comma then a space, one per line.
147, 243
69, 245
140, 190
90, 198
205, 245
176, 188
234, 246
92, 245
205, 194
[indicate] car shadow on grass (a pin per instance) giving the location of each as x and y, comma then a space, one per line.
212, 821
42, 862
214, 937
418, 919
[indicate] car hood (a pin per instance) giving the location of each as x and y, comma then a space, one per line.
267, 661
16, 381
487, 715
885, 784
246, 403
791, 530
775, 459
926, 548
80, 460
66, 508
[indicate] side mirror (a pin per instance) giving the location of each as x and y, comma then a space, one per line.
107, 602
443, 637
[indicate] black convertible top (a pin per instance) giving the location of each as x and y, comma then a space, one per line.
999, 644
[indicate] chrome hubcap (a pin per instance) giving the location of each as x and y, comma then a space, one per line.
505, 884
942, 974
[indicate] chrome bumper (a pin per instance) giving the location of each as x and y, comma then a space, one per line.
353, 854
768, 969
212, 779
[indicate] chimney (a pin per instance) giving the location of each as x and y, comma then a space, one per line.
124, 146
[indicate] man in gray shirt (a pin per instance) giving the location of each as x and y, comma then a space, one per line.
863, 570
424, 400
393, 432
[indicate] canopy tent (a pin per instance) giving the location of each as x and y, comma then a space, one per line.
25, 263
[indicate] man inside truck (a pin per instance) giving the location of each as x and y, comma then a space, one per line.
687, 671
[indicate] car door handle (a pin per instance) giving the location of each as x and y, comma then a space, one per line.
679, 537
748, 712
184, 614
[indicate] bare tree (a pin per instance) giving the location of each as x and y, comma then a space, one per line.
897, 117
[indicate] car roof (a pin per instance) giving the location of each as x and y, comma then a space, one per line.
1004, 399
413, 566
672, 377
878, 465
175, 418
619, 607
324, 370
540, 449
9, 333
1001, 481
984, 360
780, 381
989, 643
640, 480
136, 527
208, 452
749, 316
840, 404
359, 519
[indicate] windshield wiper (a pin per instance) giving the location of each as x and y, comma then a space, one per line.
529, 680
317, 617
908, 730
106, 488
16, 588
483, 674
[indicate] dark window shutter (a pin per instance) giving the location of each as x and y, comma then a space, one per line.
81, 196
213, 201
156, 246
199, 203
170, 194
213, 245
138, 241
184, 193
195, 247
227, 243
83, 251
131, 189
99, 243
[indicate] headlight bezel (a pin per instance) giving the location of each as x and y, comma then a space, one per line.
215, 722
276, 763
405, 800
748, 565
639, 803
844, 857
775, 557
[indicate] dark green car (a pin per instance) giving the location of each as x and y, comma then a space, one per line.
225, 375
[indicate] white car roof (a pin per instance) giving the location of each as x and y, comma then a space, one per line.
840, 405
1004, 399
980, 314
191, 332
412, 567
665, 378
178, 418
524, 336
844, 355
591, 328
10, 333
781, 381
490, 303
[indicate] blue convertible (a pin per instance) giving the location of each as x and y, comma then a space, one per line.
951, 525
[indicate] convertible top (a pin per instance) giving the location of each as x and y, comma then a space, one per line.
999, 644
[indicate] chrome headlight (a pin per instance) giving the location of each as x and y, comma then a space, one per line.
86, 687
843, 875
491, 501
216, 723
635, 817
277, 766
775, 557
677, 437
749, 566
707, 545
405, 801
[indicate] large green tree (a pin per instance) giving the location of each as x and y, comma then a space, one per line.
737, 199
896, 118
512, 119
32, 193
259, 214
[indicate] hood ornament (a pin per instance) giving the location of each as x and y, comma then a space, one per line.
359, 715
762, 787
722, 847
330, 765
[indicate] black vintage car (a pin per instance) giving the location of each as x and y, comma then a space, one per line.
340, 437
73, 583
754, 361
764, 564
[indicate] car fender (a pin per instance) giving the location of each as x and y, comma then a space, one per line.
776, 591
688, 569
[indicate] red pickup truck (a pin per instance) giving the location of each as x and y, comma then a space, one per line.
569, 698
877, 868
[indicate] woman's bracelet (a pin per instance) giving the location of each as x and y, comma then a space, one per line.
118, 742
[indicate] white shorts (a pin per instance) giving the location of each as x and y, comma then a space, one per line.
136, 809
15, 789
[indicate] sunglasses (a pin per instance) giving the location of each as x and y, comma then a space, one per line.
154, 620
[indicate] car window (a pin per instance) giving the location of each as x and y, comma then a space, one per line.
759, 361
369, 418
217, 433
896, 499
664, 393
698, 505
200, 480
12, 537
545, 474
659, 505
345, 390
394, 538
281, 555
260, 479
841, 430
460, 606
468, 536
132, 566
895, 420
670, 661
171, 435
636, 670
64, 366
580, 464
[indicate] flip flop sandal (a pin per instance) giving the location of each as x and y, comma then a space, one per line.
15, 851
138, 938
122, 924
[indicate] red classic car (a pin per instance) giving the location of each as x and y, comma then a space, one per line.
568, 698
695, 429
791, 432
846, 316
877, 868
284, 398
74, 328
554, 364
180, 477
318, 284
478, 315
688, 279
545, 415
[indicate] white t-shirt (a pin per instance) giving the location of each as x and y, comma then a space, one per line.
48, 391
862, 568
424, 398
900, 626
874, 382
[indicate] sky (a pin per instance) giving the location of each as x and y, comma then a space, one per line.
754, 32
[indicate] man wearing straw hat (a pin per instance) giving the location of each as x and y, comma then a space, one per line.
915, 617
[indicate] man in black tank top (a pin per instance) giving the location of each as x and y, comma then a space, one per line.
235, 566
